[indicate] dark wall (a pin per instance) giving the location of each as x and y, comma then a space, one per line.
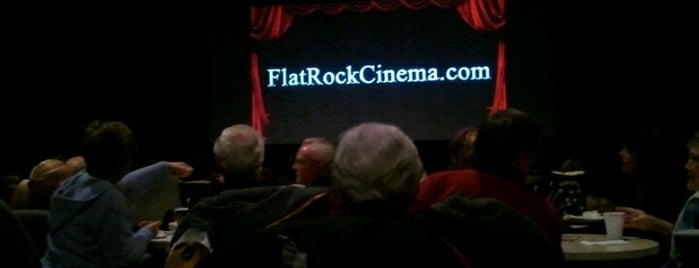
178, 73
621, 67
146, 64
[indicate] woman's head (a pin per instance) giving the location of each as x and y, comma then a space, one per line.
45, 167
645, 154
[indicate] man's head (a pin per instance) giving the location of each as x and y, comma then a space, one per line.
376, 164
313, 161
507, 144
108, 148
240, 149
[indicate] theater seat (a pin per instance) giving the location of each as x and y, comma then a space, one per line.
36, 222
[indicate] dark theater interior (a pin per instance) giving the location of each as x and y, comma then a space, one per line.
179, 72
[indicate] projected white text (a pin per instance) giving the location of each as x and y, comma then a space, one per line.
372, 74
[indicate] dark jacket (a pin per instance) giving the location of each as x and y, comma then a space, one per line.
484, 232
491, 234
230, 217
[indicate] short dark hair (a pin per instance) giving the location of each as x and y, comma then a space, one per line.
504, 135
108, 148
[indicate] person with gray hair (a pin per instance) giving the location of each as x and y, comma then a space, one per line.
376, 173
377, 169
312, 164
239, 152
243, 204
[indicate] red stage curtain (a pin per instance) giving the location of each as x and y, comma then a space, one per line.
271, 22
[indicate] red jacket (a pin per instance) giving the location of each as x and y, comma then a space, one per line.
475, 184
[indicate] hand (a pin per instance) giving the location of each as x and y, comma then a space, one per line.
635, 218
143, 223
154, 226
179, 170
217, 178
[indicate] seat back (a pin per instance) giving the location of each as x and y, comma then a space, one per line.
190, 192
36, 222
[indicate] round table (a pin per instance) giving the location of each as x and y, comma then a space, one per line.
574, 250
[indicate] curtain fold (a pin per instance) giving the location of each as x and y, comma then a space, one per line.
259, 114
271, 22
483, 15
500, 95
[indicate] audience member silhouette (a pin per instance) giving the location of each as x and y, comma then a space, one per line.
44, 178
461, 148
648, 163
504, 154
689, 215
239, 152
245, 205
313, 161
376, 172
90, 216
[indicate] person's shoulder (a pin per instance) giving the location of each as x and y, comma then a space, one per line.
693, 205
357, 242
481, 225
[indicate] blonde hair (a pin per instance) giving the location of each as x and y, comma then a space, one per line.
36, 191
45, 168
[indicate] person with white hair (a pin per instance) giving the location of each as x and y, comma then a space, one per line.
239, 152
242, 205
312, 164
376, 173
376, 169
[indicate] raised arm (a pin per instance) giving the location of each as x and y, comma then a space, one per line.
638, 219
144, 179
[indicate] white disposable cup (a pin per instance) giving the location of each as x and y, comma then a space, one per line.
614, 224
172, 226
